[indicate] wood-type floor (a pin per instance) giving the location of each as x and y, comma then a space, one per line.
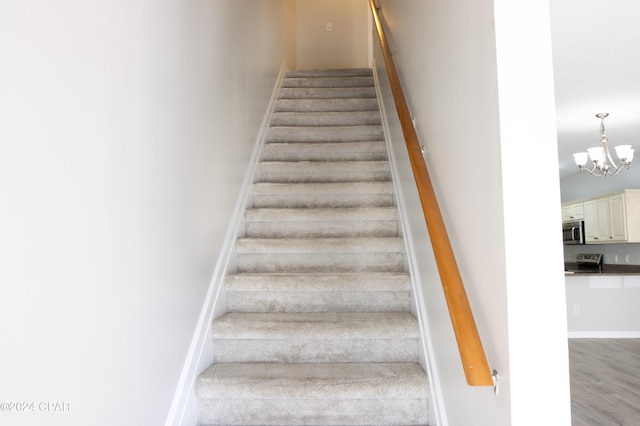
605, 382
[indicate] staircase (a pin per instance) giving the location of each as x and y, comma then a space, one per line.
318, 329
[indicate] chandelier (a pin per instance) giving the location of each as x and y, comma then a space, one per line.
603, 163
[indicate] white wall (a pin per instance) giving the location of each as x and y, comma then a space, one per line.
345, 46
607, 306
583, 185
610, 251
126, 130
478, 79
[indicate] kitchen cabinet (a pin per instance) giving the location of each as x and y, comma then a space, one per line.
597, 221
613, 218
572, 211
617, 218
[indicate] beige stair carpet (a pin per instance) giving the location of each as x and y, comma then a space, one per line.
318, 329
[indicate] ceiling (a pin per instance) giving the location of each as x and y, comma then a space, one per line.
596, 55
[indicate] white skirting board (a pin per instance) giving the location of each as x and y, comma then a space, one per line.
183, 410
603, 334
437, 410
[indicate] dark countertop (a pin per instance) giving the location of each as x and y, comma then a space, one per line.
607, 269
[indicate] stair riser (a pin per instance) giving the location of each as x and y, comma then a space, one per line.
324, 134
343, 151
329, 73
295, 119
393, 282
355, 194
321, 200
328, 82
326, 105
328, 93
312, 216
324, 171
314, 381
321, 229
290, 175
316, 350
372, 411
298, 301
321, 262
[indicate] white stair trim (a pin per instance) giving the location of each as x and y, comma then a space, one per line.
603, 334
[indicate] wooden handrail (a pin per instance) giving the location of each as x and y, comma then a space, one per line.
474, 360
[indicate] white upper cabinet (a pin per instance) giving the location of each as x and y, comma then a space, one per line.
618, 218
613, 218
572, 211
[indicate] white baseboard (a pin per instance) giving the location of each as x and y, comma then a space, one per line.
184, 403
604, 335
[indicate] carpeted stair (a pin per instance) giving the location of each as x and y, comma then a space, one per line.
319, 329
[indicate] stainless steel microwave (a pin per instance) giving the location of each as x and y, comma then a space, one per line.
573, 232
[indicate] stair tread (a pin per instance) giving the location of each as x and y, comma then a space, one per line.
315, 325
368, 281
314, 380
